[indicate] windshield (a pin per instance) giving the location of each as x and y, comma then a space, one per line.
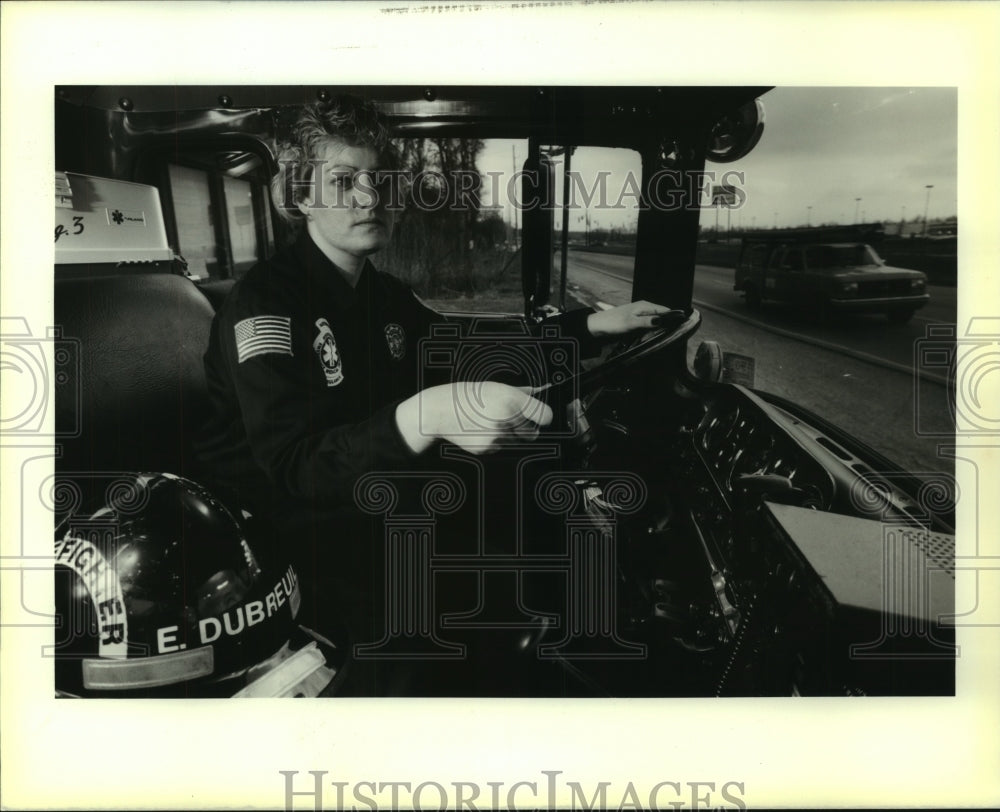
457, 237
468, 220
831, 162
468, 202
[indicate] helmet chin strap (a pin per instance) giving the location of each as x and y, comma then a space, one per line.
304, 673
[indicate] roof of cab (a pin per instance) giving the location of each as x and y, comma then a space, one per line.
421, 109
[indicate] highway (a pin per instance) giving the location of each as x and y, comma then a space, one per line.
856, 371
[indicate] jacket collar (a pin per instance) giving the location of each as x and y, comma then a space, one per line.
322, 274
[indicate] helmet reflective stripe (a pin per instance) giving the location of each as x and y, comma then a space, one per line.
148, 672
304, 673
101, 582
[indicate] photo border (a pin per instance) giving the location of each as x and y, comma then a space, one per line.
212, 754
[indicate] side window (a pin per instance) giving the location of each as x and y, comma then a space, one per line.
820, 256
192, 206
778, 258
240, 219
755, 257
788, 259
217, 209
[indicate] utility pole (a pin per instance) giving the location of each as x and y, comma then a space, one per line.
513, 161
565, 228
927, 205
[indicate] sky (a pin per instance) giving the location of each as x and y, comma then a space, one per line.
822, 147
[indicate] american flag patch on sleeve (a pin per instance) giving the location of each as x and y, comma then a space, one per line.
263, 334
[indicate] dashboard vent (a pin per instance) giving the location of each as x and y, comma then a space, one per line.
829, 445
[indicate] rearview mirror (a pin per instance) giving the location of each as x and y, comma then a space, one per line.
736, 133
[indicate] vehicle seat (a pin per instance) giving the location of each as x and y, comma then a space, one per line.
140, 391
216, 290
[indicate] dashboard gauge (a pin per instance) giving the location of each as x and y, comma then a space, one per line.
718, 428
756, 455
786, 469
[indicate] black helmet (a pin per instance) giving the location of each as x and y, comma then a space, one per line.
159, 593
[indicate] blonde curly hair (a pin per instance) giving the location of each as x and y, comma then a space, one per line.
348, 119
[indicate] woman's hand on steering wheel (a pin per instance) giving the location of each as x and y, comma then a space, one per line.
626, 319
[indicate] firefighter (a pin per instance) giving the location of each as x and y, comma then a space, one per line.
313, 366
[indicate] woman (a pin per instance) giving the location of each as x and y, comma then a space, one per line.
313, 367
312, 364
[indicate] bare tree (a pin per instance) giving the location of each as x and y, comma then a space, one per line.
434, 245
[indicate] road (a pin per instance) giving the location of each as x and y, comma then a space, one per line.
857, 371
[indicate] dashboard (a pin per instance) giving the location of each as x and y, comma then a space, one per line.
758, 605
736, 441
731, 459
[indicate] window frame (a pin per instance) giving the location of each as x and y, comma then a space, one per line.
260, 202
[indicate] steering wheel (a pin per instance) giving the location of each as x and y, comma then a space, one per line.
632, 351
677, 326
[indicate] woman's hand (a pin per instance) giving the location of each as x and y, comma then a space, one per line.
477, 416
625, 319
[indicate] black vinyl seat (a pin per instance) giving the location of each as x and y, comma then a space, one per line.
216, 290
139, 392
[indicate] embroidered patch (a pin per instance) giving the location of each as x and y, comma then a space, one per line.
326, 348
263, 334
396, 339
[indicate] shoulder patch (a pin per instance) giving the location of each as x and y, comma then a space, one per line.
395, 337
325, 346
261, 335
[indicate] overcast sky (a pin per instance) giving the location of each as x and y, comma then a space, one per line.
822, 147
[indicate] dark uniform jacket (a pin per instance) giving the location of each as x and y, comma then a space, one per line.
304, 375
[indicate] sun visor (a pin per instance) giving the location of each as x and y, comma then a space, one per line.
99, 220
